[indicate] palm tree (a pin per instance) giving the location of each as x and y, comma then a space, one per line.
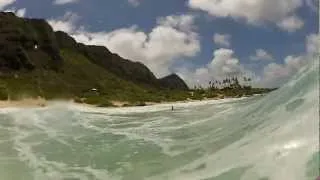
249, 81
245, 79
212, 85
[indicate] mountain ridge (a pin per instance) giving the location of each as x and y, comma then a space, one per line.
36, 61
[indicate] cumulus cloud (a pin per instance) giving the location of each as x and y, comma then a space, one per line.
62, 2
183, 22
65, 23
313, 44
226, 64
5, 3
171, 39
253, 11
223, 64
19, 12
222, 39
291, 23
134, 3
174, 37
194, 77
275, 75
261, 54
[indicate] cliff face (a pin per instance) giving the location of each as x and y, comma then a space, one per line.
27, 44
173, 81
31, 44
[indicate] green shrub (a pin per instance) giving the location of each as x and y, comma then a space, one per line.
106, 104
3, 94
141, 104
78, 100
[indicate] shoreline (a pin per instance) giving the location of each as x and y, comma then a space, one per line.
41, 102
24, 103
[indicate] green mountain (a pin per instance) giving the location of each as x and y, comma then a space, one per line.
36, 61
173, 81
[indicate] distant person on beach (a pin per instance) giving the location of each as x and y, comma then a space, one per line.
171, 108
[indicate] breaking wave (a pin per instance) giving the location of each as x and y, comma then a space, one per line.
271, 137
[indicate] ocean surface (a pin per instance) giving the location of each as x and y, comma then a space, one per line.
270, 137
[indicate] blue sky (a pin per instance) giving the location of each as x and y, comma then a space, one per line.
267, 40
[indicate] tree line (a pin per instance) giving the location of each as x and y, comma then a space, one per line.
229, 83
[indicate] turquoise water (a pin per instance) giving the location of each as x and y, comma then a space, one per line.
272, 137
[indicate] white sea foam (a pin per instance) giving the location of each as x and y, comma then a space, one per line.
272, 137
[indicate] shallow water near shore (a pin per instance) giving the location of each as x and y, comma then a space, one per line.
272, 137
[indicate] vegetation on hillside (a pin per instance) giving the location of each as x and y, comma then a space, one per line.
77, 80
35, 62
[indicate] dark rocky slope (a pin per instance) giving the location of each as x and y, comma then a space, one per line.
27, 44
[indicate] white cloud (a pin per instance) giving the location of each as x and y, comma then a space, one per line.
5, 3
223, 65
291, 23
171, 39
61, 25
62, 2
261, 54
174, 37
313, 44
252, 11
183, 22
275, 75
222, 39
19, 12
65, 23
134, 3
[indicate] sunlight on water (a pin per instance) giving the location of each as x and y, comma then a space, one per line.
274, 137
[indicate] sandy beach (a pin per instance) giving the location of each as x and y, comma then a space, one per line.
41, 102
24, 103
